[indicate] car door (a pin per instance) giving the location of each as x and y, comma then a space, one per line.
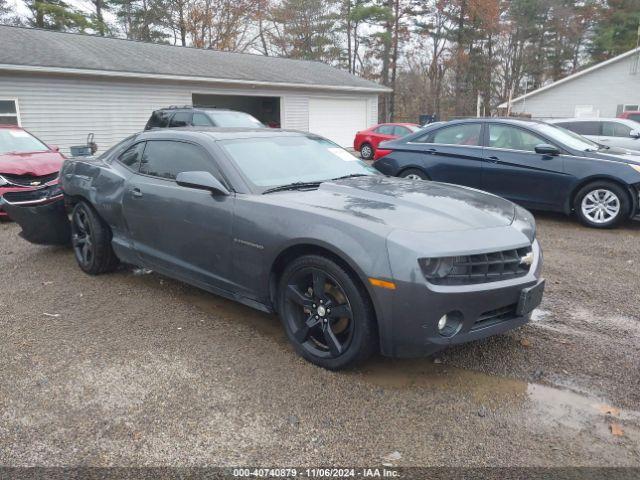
452, 154
181, 231
383, 133
617, 134
512, 168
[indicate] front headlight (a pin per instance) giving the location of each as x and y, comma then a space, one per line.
524, 222
635, 167
436, 267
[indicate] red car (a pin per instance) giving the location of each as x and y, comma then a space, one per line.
366, 141
28, 169
635, 116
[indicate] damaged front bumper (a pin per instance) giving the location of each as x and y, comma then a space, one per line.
44, 219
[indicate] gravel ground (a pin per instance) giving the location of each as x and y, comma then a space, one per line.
124, 370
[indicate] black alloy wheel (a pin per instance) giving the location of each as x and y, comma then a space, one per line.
91, 241
325, 314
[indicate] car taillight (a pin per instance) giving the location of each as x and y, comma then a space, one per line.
381, 152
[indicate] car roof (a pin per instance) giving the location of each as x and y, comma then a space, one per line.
508, 120
186, 107
217, 133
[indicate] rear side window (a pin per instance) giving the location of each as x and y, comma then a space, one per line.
615, 129
181, 119
200, 119
166, 159
465, 134
159, 119
582, 128
132, 157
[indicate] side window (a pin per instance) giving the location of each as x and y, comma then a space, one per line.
464, 134
159, 119
200, 119
513, 138
614, 129
385, 129
132, 157
181, 119
400, 131
165, 159
582, 128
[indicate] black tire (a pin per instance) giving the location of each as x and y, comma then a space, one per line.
414, 174
335, 339
91, 241
367, 151
595, 203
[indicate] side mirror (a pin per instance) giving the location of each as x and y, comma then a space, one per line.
203, 181
55, 148
546, 149
634, 133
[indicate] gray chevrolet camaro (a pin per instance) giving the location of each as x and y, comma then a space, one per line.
352, 261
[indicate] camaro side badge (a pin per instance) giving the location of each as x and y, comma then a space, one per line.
527, 259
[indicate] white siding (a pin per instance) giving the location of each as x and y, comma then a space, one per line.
62, 110
604, 89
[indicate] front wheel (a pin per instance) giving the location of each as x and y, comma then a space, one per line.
91, 241
326, 314
602, 204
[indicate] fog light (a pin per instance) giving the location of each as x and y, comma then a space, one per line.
450, 323
442, 323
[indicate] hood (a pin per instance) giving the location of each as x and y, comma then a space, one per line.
616, 155
400, 204
36, 163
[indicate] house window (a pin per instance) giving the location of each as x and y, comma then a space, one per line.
9, 113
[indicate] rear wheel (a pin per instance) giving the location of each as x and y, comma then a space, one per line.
326, 315
414, 174
602, 204
91, 241
366, 151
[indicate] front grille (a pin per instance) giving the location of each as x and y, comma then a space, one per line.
486, 267
32, 195
28, 180
495, 316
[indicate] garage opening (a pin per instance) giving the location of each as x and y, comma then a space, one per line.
265, 109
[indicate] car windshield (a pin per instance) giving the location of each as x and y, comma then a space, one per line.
229, 119
567, 137
413, 128
13, 140
277, 161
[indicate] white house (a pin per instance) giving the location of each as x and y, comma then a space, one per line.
603, 90
63, 86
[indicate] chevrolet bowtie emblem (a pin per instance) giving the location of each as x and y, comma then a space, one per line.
527, 259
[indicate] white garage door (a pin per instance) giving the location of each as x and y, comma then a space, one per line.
337, 119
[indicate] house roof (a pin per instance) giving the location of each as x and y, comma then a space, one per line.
36, 50
573, 76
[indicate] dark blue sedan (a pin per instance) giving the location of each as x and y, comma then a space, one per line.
532, 163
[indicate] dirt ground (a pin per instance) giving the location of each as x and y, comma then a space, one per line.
127, 369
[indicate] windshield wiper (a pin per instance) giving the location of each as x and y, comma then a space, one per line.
352, 175
293, 186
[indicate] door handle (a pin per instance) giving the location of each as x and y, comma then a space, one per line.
136, 192
493, 159
432, 151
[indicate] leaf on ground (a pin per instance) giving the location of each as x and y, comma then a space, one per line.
525, 342
616, 429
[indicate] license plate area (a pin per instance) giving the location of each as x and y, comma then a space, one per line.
530, 298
